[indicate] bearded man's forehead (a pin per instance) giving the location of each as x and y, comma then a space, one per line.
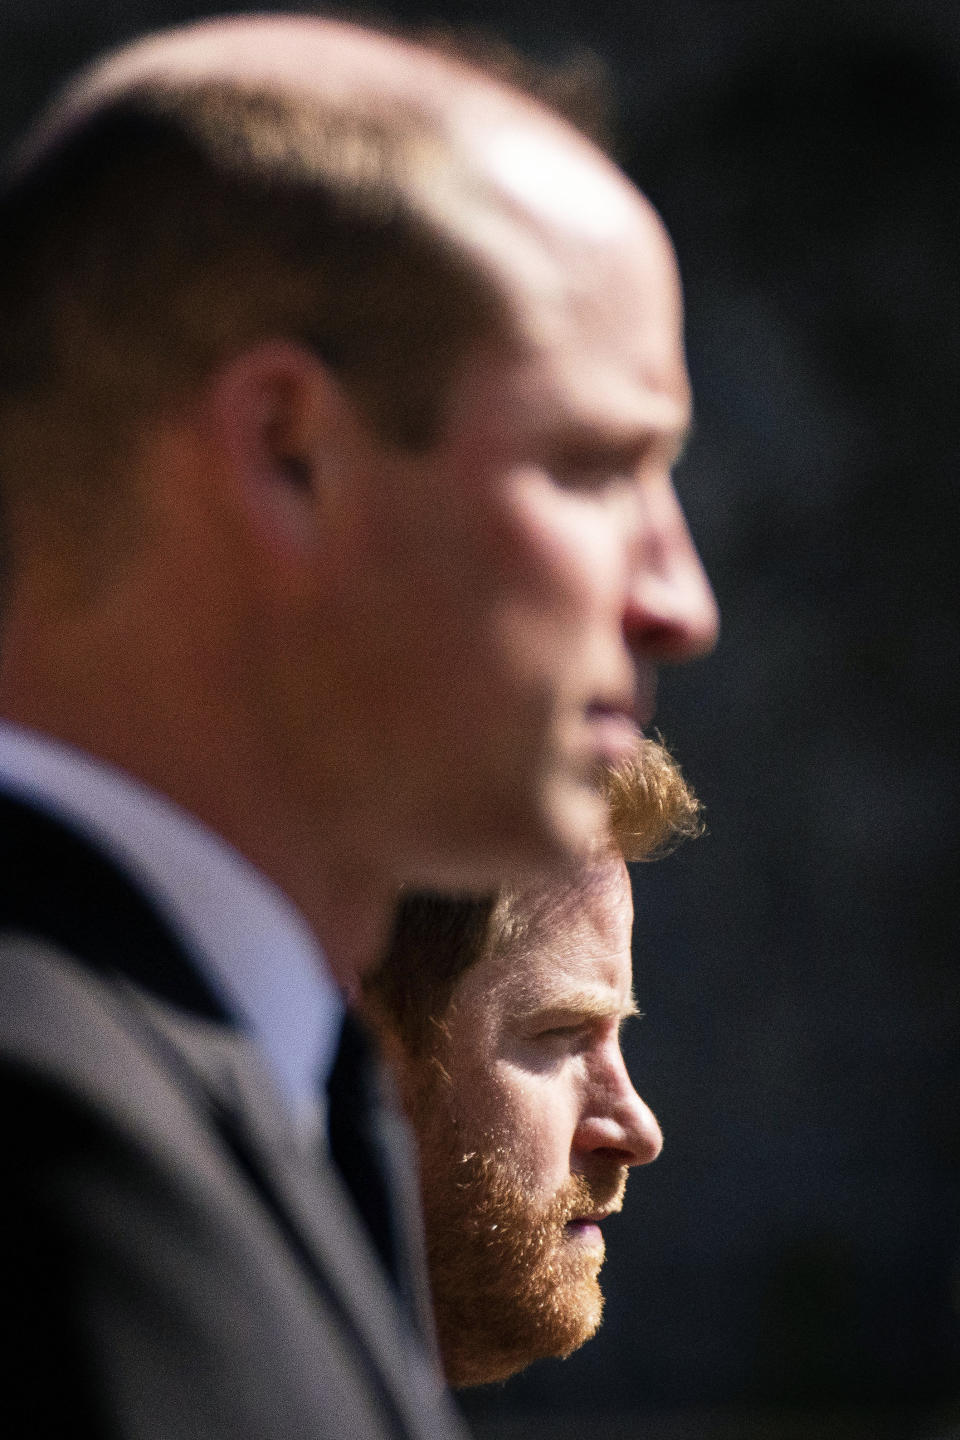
539, 915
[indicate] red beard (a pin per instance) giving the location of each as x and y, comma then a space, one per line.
513, 1281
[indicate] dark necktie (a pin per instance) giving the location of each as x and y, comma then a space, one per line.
364, 1146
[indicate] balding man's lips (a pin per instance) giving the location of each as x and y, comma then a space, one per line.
614, 730
617, 720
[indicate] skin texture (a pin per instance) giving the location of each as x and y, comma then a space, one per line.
365, 666
527, 1122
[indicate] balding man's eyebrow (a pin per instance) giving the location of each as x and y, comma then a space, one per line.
616, 449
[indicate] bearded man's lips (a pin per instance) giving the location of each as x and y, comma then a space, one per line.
587, 1232
587, 1227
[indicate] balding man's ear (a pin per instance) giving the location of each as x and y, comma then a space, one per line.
278, 419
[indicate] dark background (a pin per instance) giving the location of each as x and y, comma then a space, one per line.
791, 1265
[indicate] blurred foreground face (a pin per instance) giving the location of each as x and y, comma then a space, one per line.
512, 590
527, 1122
434, 645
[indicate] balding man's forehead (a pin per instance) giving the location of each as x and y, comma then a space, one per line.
562, 184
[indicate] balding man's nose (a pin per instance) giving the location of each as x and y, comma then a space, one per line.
671, 614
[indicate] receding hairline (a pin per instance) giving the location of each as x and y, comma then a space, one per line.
309, 55
346, 64
357, 71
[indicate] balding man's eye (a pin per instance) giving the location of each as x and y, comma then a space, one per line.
591, 479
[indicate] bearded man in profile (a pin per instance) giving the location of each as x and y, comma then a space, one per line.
503, 1019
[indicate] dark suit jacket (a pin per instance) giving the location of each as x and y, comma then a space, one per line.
173, 1266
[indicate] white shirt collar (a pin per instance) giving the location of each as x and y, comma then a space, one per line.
247, 939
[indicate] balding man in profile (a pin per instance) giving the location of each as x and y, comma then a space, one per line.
339, 390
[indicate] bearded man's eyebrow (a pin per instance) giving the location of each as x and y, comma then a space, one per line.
572, 1006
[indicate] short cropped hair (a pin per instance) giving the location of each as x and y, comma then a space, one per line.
179, 222
437, 938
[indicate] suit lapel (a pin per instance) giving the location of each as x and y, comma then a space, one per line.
57, 886
305, 1193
